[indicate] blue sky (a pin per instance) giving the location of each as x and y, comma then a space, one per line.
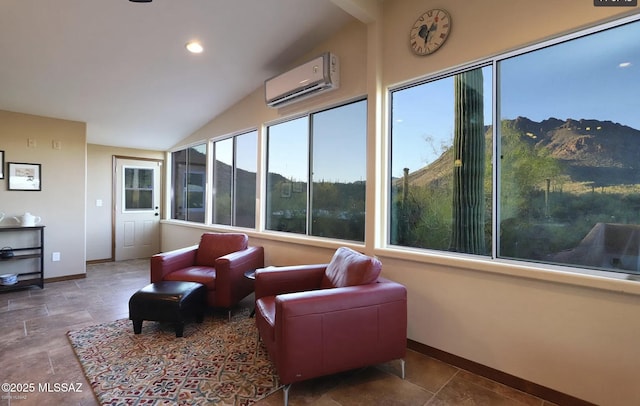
594, 77
423, 120
339, 145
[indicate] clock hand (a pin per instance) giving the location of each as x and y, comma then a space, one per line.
433, 28
426, 31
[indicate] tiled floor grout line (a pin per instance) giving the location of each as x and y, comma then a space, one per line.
435, 394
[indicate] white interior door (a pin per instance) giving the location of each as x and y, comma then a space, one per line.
137, 208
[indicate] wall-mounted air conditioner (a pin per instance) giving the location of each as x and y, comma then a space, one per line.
309, 79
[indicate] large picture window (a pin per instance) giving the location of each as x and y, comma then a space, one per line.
441, 160
287, 170
188, 183
222, 181
316, 171
245, 179
234, 180
570, 146
566, 185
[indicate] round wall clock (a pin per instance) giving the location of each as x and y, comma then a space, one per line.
430, 31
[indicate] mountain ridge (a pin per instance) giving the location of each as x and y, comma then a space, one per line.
601, 152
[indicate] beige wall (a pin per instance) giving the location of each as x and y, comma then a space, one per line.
572, 333
61, 201
99, 187
73, 178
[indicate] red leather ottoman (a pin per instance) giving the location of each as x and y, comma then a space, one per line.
169, 301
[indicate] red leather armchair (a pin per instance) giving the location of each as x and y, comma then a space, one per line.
322, 319
218, 262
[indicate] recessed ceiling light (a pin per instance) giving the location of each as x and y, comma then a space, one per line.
194, 47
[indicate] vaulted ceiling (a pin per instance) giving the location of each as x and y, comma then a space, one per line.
122, 66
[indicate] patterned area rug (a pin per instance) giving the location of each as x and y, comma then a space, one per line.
217, 362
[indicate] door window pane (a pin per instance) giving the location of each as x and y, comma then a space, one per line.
138, 192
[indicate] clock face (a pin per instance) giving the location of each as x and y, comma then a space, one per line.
430, 31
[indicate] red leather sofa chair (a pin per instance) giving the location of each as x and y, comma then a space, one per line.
322, 319
219, 262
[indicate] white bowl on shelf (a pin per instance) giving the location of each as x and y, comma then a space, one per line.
8, 279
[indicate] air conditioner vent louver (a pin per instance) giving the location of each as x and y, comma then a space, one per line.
318, 75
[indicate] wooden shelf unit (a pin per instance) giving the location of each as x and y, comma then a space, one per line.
25, 278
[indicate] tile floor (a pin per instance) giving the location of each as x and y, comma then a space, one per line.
34, 349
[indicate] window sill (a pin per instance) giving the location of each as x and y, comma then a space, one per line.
609, 281
278, 236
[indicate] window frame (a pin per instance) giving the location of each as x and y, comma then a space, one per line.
493, 263
234, 181
171, 186
448, 73
135, 187
309, 188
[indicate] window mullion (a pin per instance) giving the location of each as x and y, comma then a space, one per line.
310, 176
233, 180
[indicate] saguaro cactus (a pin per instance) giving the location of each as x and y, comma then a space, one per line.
467, 233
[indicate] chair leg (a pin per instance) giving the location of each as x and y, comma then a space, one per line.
137, 326
179, 328
229, 314
402, 367
285, 393
199, 317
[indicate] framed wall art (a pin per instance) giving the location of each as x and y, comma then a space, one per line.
23, 176
1, 164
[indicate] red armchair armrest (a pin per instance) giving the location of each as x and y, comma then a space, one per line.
273, 281
249, 259
167, 262
231, 284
